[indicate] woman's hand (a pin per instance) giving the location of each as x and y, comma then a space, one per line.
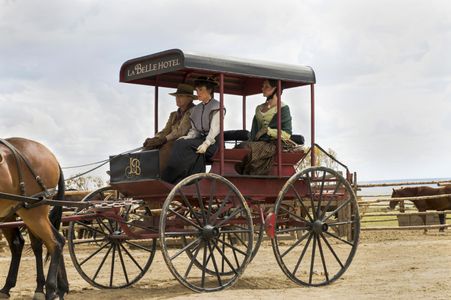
261, 132
203, 147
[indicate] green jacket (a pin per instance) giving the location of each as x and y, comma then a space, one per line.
286, 124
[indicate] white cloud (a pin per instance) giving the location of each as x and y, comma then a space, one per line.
384, 76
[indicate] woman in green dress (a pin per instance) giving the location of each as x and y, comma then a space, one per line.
263, 137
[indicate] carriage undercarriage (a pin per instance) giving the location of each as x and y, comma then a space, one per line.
209, 231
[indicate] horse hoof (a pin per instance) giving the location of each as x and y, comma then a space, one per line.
52, 296
39, 296
4, 296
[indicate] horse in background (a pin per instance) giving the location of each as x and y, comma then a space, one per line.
28, 168
438, 204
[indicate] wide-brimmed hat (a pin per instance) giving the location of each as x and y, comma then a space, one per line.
210, 81
184, 89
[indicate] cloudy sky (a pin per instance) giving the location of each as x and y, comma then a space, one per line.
383, 73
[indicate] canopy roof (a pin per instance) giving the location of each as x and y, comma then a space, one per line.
241, 77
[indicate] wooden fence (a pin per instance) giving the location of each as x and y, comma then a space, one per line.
372, 211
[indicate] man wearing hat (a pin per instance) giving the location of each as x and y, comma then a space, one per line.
177, 125
191, 151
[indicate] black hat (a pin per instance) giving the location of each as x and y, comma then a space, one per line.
208, 81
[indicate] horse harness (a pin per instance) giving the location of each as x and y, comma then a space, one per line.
45, 192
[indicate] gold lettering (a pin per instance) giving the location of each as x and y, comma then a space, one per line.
134, 168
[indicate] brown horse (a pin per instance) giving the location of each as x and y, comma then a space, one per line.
41, 226
439, 204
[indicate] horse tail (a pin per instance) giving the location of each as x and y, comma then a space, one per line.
56, 213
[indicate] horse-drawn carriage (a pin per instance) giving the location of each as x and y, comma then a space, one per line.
210, 225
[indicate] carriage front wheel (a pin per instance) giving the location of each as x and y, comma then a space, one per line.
315, 241
206, 232
101, 251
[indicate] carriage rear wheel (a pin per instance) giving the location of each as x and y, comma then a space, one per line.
206, 232
316, 240
101, 252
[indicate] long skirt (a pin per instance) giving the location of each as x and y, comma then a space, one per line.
184, 161
259, 160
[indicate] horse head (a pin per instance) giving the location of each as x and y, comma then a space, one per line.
395, 194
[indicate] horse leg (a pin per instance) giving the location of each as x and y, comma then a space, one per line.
36, 245
423, 217
62, 282
16, 243
39, 224
441, 217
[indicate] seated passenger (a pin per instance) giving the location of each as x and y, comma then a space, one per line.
263, 137
177, 125
185, 159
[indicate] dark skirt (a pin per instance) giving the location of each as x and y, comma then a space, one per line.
184, 161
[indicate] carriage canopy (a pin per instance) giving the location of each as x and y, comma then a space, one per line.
241, 77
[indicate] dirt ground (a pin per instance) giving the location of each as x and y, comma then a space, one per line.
393, 265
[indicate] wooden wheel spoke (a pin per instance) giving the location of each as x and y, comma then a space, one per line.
187, 247
131, 257
295, 244
342, 223
90, 228
221, 207
204, 263
124, 269
312, 263
94, 253
338, 209
112, 265
193, 259
312, 202
138, 246
329, 202
226, 259
201, 203
190, 207
331, 250
184, 218
232, 247
301, 219
320, 195
235, 231
302, 254
214, 264
181, 233
102, 263
89, 241
292, 229
233, 214
339, 238
301, 202
210, 201
326, 274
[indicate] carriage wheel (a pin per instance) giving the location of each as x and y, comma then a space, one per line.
233, 239
205, 222
315, 242
118, 261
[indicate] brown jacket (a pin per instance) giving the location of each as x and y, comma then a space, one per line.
177, 125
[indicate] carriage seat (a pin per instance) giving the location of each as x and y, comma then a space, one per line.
298, 139
244, 135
